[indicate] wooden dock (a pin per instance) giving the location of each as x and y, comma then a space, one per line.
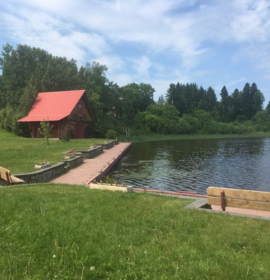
93, 168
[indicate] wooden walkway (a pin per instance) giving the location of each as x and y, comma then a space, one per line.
92, 167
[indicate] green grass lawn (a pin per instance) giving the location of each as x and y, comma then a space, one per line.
19, 154
69, 232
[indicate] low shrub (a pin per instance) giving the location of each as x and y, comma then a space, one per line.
111, 134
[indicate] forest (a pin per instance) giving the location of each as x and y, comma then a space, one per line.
183, 109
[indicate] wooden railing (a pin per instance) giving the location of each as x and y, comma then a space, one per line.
126, 131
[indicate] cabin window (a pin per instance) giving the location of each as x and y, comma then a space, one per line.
80, 111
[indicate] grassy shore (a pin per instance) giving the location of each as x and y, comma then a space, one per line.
69, 232
159, 137
20, 154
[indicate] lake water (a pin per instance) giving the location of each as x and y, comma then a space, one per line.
194, 165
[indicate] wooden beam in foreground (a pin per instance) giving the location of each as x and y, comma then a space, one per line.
246, 199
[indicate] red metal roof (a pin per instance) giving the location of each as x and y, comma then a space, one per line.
53, 106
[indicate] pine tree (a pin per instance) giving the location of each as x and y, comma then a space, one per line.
257, 100
224, 93
225, 105
247, 99
237, 104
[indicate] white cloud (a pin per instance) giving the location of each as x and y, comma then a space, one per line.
161, 87
154, 23
251, 22
141, 66
134, 21
231, 85
259, 55
55, 36
121, 79
173, 39
235, 82
114, 62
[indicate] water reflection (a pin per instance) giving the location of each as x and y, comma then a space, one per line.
196, 164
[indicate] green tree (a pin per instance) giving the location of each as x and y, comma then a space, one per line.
155, 109
267, 109
170, 112
257, 100
4, 61
170, 120
224, 93
135, 98
225, 105
247, 101
192, 97
93, 79
193, 123
261, 120
252, 100
27, 71
161, 100
237, 104
45, 129
153, 122
102, 96
185, 98
18, 67
204, 120
171, 94
208, 101
175, 97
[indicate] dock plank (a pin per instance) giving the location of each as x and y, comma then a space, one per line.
91, 167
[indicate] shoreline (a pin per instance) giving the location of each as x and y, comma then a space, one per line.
160, 137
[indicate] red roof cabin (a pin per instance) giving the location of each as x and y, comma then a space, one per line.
68, 112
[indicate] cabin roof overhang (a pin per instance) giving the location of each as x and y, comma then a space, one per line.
55, 106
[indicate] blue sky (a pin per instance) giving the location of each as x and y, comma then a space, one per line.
208, 42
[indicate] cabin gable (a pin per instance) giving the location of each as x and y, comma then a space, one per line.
68, 112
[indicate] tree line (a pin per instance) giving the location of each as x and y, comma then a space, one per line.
185, 108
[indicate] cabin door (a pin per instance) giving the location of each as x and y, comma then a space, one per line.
36, 132
78, 131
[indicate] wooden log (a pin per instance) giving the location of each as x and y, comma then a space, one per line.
5, 175
241, 194
16, 180
240, 203
111, 188
10, 179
